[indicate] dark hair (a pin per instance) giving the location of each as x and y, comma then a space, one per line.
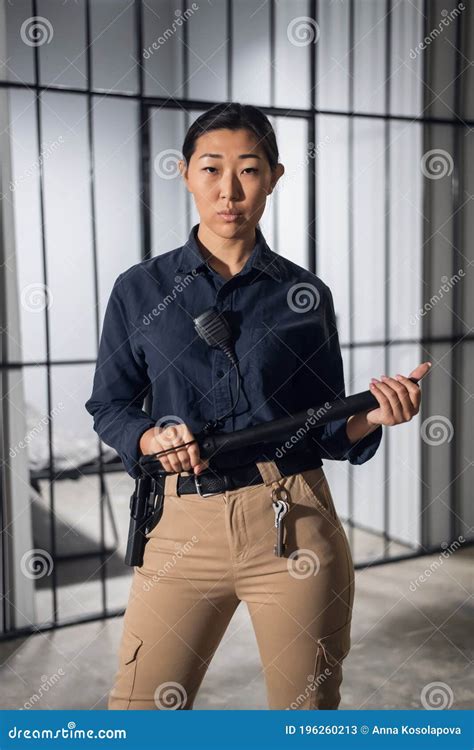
233, 116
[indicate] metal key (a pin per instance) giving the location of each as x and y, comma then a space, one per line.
280, 508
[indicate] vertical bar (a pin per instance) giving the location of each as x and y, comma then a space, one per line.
229, 49
425, 464
185, 68
144, 115
312, 135
387, 248
274, 120
350, 515
90, 148
457, 190
52, 513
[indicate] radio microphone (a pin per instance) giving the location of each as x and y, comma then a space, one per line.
214, 329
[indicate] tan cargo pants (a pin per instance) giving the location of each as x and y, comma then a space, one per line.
205, 556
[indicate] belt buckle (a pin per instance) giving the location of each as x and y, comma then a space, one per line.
198, 488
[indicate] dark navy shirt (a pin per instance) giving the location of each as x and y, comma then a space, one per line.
285, 336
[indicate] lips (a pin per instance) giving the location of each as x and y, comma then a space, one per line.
230, 216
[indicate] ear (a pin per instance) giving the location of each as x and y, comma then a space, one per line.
183, 170
276, 174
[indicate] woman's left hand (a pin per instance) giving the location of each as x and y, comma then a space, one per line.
398, 397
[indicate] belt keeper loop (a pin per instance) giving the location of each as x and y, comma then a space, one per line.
171, 484
270, 472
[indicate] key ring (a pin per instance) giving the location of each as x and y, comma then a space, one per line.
280, 493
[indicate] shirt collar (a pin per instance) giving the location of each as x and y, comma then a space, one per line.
262, 257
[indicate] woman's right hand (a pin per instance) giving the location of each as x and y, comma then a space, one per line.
161, 438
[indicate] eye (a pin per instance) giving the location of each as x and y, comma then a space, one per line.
204, 169
251, 169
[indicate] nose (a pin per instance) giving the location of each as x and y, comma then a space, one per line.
230, 187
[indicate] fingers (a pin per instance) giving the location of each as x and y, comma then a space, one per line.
389, 403
183, 457
394, 398
413, 390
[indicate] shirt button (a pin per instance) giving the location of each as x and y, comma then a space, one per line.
220, 373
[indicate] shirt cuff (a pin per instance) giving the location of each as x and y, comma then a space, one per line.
131, 454
362, 450
336, 444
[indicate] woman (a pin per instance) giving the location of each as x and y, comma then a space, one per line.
216, 543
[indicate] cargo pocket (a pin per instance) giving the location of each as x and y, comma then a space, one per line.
125, 682
331, 652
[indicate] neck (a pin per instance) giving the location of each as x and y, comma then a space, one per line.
226, 255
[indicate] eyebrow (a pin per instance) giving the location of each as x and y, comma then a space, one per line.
242, 156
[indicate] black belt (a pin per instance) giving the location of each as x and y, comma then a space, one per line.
214, 481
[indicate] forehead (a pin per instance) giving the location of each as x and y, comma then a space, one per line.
228, 142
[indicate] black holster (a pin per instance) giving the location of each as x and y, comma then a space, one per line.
146, 507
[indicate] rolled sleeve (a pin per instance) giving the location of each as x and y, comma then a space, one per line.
120, 386
332, 439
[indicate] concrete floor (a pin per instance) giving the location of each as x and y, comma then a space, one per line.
402, 640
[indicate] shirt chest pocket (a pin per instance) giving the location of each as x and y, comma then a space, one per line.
281, 353
274, 358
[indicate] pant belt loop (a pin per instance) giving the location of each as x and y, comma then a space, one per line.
269, 471
171, 484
